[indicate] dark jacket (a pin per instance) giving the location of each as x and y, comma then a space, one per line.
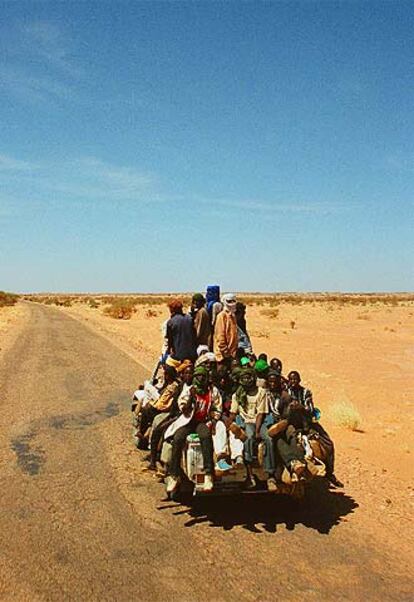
182, 344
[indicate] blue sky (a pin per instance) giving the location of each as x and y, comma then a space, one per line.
164, 146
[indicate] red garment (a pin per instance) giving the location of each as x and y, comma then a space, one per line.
202, 407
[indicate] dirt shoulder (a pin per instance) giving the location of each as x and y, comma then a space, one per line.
12, 322
86, 522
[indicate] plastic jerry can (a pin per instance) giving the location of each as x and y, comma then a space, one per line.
194, 457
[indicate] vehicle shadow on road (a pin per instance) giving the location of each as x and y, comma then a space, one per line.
321, 509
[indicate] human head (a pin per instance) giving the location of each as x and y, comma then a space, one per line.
274, 381
202, 349
261, 368
230, 301
222, 376
201, 379
294, 379
213, 293
252, 359
170, 373
276, 365
206, 359
235, 376
247, 378
198, 301
175, 306
187, 374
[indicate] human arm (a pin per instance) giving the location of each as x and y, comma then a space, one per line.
261, 410
308, 400
186, 400
169, 338
234, 409
259, 421
216, 404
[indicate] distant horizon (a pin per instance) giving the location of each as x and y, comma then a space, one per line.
236, 292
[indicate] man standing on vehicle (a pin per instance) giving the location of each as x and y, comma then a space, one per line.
225, 331
181, 336
202, 323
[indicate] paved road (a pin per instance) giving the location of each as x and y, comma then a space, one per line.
69, 533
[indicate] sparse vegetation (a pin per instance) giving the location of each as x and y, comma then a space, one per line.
270, 312
7, 299
120, 309
332, 301
345, 414
93, 303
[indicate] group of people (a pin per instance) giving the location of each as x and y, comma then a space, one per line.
213, 385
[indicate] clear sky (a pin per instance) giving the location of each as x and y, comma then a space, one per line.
165, 146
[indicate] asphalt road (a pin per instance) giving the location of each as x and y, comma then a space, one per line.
69, 533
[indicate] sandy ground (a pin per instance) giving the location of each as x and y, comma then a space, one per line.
88, 524
12, 322
361, 355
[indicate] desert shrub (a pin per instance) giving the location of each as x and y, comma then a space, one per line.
151, 313
345, 414
7, 299
270, 312
93, 303
120, 309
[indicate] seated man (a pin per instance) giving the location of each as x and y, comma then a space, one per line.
163, 404
202, 405
282, 447
161, 422
302, 398
277, 366
248, 405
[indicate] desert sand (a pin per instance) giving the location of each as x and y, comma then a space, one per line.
357, 357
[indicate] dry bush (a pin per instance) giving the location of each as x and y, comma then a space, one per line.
363, 317
120, 309
270, 312
261, 334
8, 299
344, 413
60, 301
151, 313
93, 303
